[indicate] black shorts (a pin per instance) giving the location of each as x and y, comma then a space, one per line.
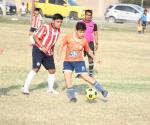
91, 45
144, 23
33, 29
38, 58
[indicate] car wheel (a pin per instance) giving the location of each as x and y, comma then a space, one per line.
111, 20
73, 16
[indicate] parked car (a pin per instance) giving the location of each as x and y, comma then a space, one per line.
11, 8
124, 13
68, 8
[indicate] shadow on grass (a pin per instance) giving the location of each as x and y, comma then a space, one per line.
80, 89
45, 85
5, 91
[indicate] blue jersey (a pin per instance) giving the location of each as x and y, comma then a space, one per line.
144, 17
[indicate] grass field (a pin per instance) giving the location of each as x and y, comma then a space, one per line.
124, 71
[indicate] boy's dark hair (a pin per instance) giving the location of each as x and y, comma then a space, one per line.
88, 11
57, 16
37, 9
80, 26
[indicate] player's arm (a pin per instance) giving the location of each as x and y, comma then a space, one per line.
91, 54
38, 41
32, 7
60, 49
88, 50
96, 37
38, 38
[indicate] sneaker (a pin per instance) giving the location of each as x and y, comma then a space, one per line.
73, 100
105, 93
52, 91
77, 76
25, 91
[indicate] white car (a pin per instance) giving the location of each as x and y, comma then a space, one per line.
124, 13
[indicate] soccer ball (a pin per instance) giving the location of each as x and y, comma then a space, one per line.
91, 93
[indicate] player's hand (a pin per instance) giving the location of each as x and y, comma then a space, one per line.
96, 47
96, 61
44, 50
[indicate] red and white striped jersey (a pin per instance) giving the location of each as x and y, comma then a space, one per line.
36, 21
48, 37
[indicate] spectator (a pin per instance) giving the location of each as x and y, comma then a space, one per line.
23, 9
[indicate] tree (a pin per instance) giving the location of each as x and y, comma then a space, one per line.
146, 3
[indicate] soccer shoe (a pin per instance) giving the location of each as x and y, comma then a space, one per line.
104, 93
73, 100
52, 91
25, 91
78, 76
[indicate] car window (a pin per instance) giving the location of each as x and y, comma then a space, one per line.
120, 8
41, 1
130, 9
72, 2
60, 2
51, 1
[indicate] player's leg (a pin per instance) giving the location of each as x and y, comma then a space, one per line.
49, 64
68, 69
80, 68
95, 83
90, 60
143, 26
37, 57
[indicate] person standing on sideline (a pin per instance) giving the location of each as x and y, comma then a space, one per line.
23, 9
144, 20
91, 34
42, 52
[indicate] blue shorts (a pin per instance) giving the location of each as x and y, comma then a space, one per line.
78, 66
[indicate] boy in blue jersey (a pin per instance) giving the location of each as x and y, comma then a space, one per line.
144, 20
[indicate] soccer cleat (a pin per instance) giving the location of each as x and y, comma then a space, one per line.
104, 93
25, 91
78, 76
73, 100
52, 91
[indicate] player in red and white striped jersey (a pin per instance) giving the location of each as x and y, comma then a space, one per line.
48, 37
36, 23
42, 52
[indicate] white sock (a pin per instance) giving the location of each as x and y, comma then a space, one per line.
51, 79
29, 79
31, 39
